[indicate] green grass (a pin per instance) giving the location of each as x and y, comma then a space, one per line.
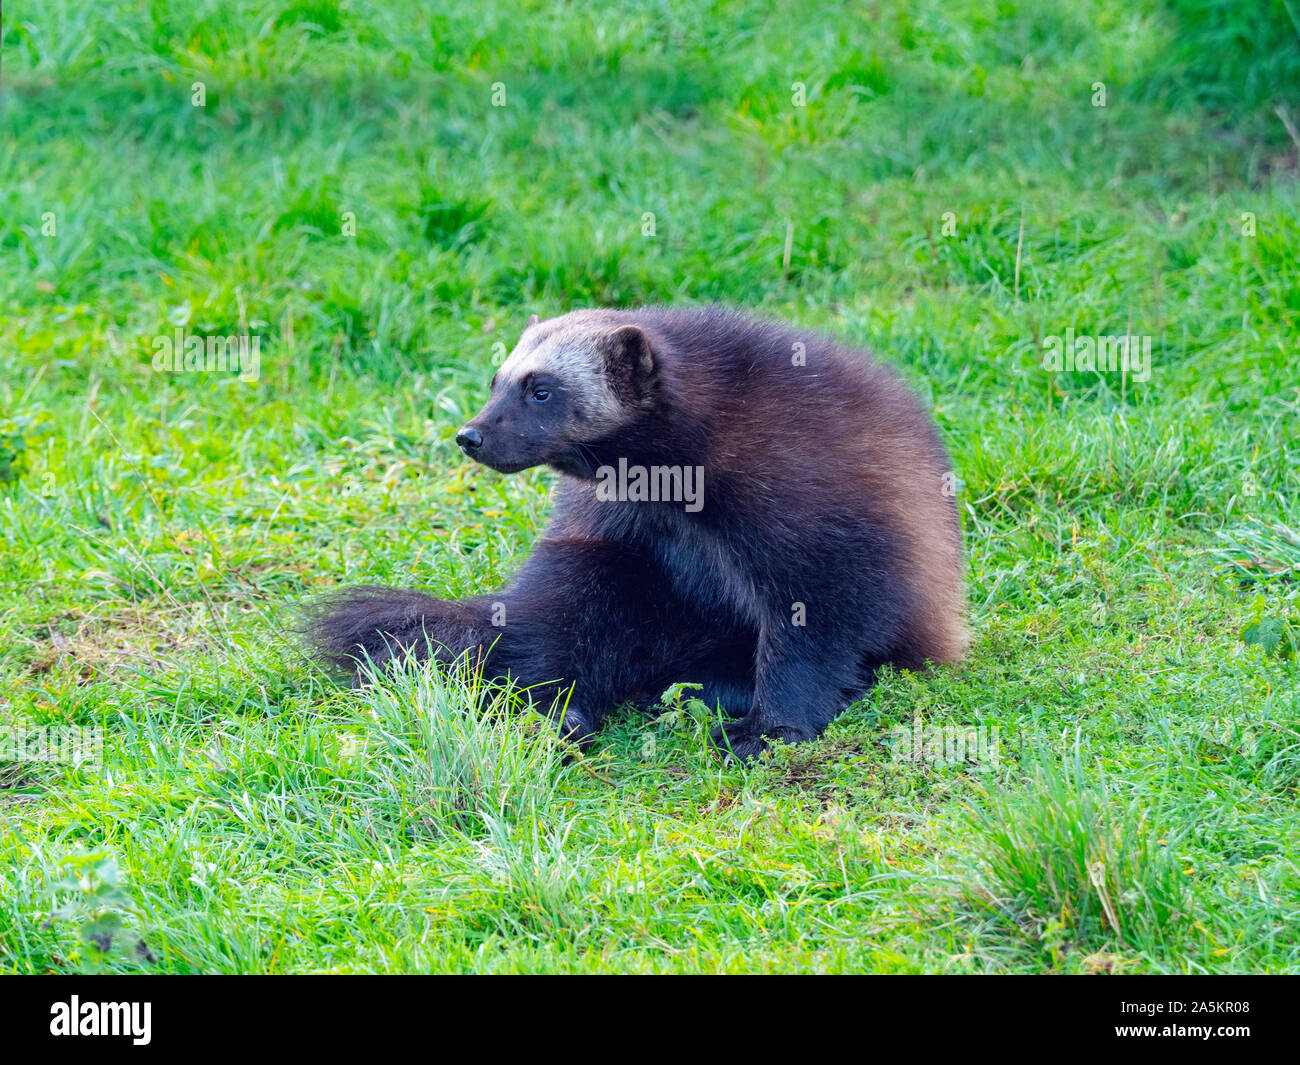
1133, 544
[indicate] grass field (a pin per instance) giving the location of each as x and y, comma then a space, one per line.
952, 184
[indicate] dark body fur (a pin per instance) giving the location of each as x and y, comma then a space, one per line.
823, 487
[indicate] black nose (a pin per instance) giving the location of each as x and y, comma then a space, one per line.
469, 439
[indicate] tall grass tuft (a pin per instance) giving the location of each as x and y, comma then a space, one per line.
1071, 865
446, 750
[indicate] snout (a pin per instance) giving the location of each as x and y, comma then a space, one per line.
469, 440
485, 439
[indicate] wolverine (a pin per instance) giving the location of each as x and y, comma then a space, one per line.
740, 504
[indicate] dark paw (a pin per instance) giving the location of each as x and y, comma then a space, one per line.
576, 727
744, 740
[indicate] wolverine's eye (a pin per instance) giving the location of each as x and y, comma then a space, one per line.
541, 394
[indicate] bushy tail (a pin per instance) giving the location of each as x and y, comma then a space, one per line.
369, 623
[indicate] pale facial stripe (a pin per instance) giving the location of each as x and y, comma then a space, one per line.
568, 348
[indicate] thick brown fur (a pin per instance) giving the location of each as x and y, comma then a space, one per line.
827, 544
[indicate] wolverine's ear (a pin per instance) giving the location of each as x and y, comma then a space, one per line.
628, 353
533, 321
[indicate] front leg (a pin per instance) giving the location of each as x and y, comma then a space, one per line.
801, 677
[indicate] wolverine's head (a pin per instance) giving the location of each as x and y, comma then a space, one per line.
569, 383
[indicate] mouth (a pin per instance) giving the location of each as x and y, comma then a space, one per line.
499, 466
577, 459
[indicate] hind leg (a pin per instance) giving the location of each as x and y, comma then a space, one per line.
726, 671
588, 624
